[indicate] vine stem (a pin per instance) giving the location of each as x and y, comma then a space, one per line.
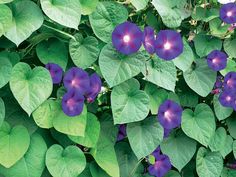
135, 167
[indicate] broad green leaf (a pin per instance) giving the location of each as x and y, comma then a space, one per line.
228, 146
86, 172
234, 148
231, 123
221, 111
172, 173
162, 73
117, 68
188, 98
5, 1
33, 162
68, 162
217, 29
200, 78
179, 148
209, 164
53, 51
172, 12
145, 136
204, 44
27, 18
96, 171
231, 66
129, 104
202, 121
2, 111
84, 51
61, 138
91, 134
139, 4
228, 46
88, 6
218, 140
5, 70
71, 125
30, 87
13, 57
46, 112
205, 14
226, 172
64, 12
5, 18
13, 145
106, 17
105, 156
185, 60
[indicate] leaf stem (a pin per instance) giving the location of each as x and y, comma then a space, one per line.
135, 167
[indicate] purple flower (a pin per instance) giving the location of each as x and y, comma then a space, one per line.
78, 79
166, 132
228, 13
157, 152
219, 82
95, 87
230, 81
161, 166
149, 40
122, 132
56, 72
169, 114
72, 103
127, 38
169, 44
217, 60
226, 98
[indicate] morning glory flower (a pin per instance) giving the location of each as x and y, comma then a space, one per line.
225, 1
161, 166
122, 132
95, 87
156, 152
217, 60
230, 81
226, 98
169, 44
169, 114
56, 72
72, 103
149, 40
228, 13
78, 79
127, 38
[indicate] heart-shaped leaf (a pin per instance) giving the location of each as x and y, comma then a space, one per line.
139, 4
62, 10
218, 140
74, 126
13, 145
30, 87
33, 162
2, 111
228, 46
117, 68
228, 146
145, 136
88, 6
200, 78
129, 104
84, 51
5, 18
68, 162
202, 121
27, 18
179, 148
5, 70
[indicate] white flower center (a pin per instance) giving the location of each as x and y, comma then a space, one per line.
228, 98
167, 46
168, 115
229, 14
215, 60
126, 38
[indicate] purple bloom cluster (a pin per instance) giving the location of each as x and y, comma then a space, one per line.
217, 60
228, 13
56, 72
127, 38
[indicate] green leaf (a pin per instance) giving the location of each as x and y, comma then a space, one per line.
209, 164
231, 123
71, 125
33, 162
205, 14
5, 18
27, 18
117, 68
200, 78
139, 4
5, 70
84, 51
172, 173
179, 148
5, 1
2, 111
86, 172
61, 138
30, 87
202, 121
226, 172
172, 12
204, 44
68, 162
105, 156
53, 51
13, 145
217, 29
91, 134
88, 6
96, 171
185, 60
162, 73
64, 12
145, 136
221, 111
129, 104
45, 113
228, 146
106, 17
234, 148
231, 66
188, 98
218, 140
228, 46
